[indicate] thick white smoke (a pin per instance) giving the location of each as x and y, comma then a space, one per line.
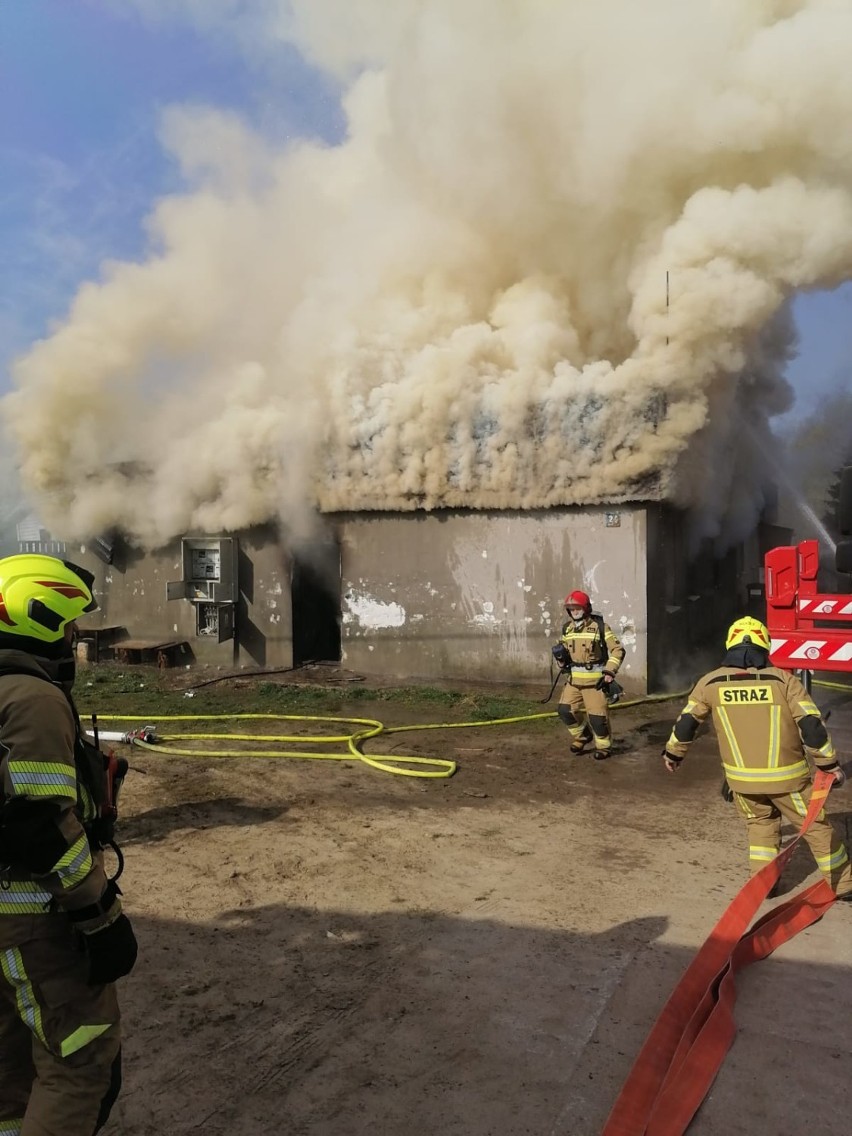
550, 263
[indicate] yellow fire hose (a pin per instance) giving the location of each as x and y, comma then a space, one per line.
833, 685
403, 765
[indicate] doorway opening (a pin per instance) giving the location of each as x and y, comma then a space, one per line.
315, 590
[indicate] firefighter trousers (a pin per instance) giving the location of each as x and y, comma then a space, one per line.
763, 816
60, 1053
585, 711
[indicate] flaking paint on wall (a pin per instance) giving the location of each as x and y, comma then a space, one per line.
372, 614
488, 589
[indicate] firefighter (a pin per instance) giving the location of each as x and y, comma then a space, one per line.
590, 654
63, 937
767, 728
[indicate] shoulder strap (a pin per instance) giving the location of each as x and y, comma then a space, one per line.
602, 632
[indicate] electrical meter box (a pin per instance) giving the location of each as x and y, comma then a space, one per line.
209, 570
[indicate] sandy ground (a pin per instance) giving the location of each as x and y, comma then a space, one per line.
327, 949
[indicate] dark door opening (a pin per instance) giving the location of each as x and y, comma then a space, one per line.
315, 592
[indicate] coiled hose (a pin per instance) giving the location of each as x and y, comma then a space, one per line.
368, 728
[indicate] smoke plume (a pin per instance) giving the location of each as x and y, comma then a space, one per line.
549, 263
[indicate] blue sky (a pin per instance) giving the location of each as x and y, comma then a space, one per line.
82, 83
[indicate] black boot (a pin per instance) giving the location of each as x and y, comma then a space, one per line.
580, 744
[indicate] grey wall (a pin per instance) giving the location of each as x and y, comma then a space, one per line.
131, 593
460, 594
265, 615
479, 595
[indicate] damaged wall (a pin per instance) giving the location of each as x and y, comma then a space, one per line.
453, 594
131, 594
479, 595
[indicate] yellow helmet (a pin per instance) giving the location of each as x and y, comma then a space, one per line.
39, 597
748, 630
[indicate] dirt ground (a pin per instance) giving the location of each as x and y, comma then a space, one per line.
329, 950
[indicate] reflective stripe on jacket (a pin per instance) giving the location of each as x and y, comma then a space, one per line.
586, 648
767, 726
37, 768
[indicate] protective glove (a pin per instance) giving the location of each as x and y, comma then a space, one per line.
672, 761
107, 937
605, 679
839, 774
614, 692
727, 792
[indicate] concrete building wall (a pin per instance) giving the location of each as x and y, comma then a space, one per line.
452, 594
479, 595
265, 611
131, 594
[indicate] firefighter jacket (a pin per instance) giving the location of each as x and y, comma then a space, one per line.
46, 858
767, 727
593, 648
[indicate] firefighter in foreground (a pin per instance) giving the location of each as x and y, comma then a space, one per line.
63, 938
590, 654
767, 727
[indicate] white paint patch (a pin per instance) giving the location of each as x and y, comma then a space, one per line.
418, 618
373, 614
589, 578
627, 632
487, 618
484, 554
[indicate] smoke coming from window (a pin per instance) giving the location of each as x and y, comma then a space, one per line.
549, 263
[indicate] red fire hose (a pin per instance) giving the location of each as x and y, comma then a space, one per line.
687, 1044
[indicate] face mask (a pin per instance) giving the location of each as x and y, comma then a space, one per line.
577, 614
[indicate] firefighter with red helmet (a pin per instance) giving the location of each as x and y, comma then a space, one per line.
590, 654
769, 732
64, 939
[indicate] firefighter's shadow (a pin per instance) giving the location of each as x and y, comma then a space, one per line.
349, 1020
158, 823
802, 864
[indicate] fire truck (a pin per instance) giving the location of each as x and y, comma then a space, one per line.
797, 612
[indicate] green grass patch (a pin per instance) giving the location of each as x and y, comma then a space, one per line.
146, 692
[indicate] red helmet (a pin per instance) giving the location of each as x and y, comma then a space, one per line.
578, 599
